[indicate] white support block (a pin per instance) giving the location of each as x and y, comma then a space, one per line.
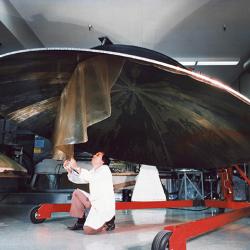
148, 185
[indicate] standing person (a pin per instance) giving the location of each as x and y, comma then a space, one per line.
95, 210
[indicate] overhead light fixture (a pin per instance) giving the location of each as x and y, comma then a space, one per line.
217, 63
90, 27
209, 63
188, 63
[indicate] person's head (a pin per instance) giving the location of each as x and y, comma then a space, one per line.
99, 159
105, 159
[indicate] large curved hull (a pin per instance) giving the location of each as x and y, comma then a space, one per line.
161, 114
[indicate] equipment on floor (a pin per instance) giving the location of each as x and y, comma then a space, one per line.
174, 237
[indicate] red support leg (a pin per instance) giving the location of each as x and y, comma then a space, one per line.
242, 174
226, 183
45, 210
153, 204
226, 204
183, 232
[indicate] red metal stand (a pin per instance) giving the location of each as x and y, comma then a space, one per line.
174, 237
226, 183
242, 174
45, 210
182, 232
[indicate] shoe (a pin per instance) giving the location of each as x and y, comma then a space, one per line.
110, 225
76, 226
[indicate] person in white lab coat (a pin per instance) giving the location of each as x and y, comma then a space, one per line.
99, 204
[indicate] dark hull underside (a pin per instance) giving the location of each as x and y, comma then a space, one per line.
158, 117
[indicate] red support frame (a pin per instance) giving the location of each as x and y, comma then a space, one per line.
182, 232
45, 210
226, 183
242, 174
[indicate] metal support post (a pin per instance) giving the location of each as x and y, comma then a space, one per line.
226, 183
185, 185
248, 175
185, 181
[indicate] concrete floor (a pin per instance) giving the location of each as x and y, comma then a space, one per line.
135, 230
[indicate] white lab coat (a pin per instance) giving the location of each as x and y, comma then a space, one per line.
101, 194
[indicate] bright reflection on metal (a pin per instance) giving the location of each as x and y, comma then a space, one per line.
7, 164
23, 114
163, 66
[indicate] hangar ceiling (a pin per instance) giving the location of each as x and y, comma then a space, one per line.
187, 30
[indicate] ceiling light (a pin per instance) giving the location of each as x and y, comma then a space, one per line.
208, 62
217, 63
188, 63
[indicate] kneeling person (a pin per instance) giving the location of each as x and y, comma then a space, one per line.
95, 210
